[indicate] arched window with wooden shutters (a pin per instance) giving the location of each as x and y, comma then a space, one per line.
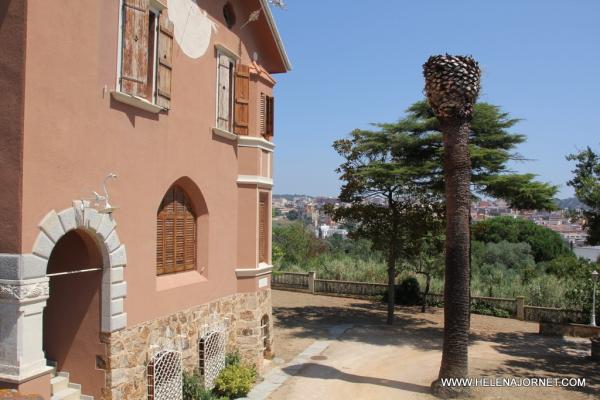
176, 233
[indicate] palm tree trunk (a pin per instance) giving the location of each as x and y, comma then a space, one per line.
457, 175
452, 85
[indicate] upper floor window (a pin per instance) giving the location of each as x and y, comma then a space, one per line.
267, 116
233, 94
225, 87
263, 228
146, 52
176, 233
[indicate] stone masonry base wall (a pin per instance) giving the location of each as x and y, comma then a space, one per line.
130, 350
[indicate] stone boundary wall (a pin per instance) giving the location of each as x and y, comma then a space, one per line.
348, 287
297, 280
129, 350
549, 314
576, 330
516, 307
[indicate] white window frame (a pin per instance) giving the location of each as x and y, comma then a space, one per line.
157, 17
233, 59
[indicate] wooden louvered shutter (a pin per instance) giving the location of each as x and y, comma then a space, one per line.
134, 57
165, 61
224, 90
160, 243
270, 117
262, 228
242, 99
179, 231
263, 113
176, 234
190, 240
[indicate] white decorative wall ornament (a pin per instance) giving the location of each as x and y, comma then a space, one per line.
16, 290
193, 27
106, 208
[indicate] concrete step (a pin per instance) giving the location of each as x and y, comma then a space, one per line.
67, 394
58, 383
86, 397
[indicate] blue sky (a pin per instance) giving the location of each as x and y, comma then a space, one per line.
357, 62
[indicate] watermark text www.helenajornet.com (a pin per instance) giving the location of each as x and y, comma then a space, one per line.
489, 381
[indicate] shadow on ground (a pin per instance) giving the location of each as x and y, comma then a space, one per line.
315, 322
533, 355
319, 371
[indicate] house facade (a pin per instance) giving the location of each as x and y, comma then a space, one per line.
135, 216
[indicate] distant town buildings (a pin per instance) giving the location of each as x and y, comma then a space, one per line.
310, 210
571, 231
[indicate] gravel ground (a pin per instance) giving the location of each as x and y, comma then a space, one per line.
373, 360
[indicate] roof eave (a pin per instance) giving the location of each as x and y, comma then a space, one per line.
275, 32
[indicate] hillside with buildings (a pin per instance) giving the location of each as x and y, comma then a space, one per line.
566, 221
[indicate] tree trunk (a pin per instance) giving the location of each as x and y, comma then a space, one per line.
427, 285
457, 175
391, 284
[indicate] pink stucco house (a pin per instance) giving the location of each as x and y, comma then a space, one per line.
168, 104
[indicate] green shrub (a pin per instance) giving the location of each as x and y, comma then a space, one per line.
408, 292
235, 380
233, 358
193, 389
486, 309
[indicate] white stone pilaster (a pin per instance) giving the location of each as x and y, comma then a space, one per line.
21, 325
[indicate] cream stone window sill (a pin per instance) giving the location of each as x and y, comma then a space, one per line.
136, 102
263, 269
256, 142
224, 134
178, 280
260, 181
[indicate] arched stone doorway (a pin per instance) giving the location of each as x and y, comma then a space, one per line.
24, 289
72, 318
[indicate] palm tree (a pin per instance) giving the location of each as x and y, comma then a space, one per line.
452, 86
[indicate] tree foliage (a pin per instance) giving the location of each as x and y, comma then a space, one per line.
418, 147
545, 244
293, 244
385, 203
586, 182
428, 260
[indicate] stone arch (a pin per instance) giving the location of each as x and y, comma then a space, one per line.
102, 227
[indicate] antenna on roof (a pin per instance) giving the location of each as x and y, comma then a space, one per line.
279, 3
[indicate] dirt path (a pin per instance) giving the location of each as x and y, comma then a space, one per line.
375, 361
